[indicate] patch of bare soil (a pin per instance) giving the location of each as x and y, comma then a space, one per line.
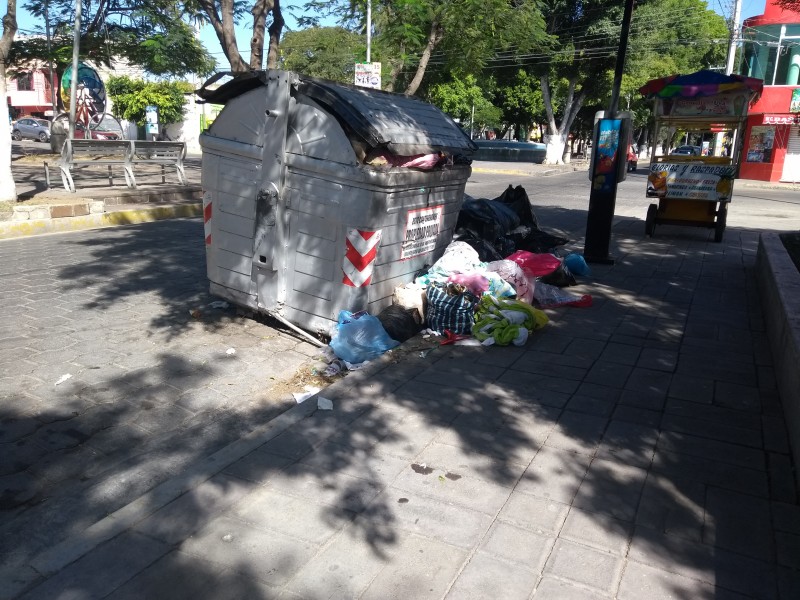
307, 375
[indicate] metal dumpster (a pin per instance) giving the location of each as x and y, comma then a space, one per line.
297, 224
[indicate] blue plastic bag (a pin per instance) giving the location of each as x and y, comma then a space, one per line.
360, 337
577, 264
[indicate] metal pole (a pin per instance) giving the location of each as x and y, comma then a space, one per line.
53, 85
737, 15
472, 122
369, 31
620, 66
73, 86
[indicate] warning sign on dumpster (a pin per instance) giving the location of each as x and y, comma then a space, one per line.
422, 230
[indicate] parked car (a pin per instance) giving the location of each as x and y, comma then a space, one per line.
31, 128
633, 159
95, 134
687, 150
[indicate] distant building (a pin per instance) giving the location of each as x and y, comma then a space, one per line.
30, 92
771, 51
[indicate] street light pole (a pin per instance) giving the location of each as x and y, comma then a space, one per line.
369, 31
73, 86
53, 85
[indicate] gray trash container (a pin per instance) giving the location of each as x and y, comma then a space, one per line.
296, 223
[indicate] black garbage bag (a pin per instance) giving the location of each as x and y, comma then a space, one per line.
537, 241
561, 277
486, 250
400, 323
516, 198
487, 219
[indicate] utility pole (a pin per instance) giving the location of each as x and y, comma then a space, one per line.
73, 86
737, 15
369, 31
53, 82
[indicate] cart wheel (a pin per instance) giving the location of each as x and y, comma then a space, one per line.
650, 222
722, 217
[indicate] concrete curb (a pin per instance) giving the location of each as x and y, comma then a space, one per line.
779, 287
16, 229
519, 172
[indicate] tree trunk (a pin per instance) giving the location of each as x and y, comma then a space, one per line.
259, 12
224, 28
397, 67
275, 35
434, 38
558, 134
8, 189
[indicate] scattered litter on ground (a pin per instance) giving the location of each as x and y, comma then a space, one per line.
421, 468
324, 403
63, 378
301, 397
196, 313
230, 351
218, 304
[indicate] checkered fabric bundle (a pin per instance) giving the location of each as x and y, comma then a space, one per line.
451, 307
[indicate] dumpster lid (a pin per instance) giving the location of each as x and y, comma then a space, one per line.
403, 125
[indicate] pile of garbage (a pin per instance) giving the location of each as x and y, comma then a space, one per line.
488, 288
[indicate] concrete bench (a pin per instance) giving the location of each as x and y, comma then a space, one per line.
124, 153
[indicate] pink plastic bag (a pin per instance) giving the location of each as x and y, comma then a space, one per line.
474, 282
535, 265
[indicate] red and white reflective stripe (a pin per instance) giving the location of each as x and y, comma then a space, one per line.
207, 218
361, 249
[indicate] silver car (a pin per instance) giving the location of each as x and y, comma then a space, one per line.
31, 128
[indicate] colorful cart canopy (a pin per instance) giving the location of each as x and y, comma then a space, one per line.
701, 83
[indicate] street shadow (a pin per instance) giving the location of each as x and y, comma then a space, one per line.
641, 415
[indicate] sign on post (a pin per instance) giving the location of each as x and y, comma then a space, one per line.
151, 120
368, 75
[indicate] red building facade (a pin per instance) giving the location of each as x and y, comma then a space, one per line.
771, 51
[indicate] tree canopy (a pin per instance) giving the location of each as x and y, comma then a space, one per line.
326, 52
412, 36
155, 35
131, 97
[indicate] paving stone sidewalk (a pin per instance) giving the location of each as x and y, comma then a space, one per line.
632, 450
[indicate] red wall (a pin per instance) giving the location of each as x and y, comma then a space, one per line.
774, 99
771, 171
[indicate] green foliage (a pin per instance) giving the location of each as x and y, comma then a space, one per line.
131, 97
327, 52
152, 34
467, 33
459, 96
521, 98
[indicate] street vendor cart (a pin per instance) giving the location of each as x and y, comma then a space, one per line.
694, 184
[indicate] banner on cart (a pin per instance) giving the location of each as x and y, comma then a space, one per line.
712, 183
422, 231
721, 105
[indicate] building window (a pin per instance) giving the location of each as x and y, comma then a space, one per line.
25, 82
